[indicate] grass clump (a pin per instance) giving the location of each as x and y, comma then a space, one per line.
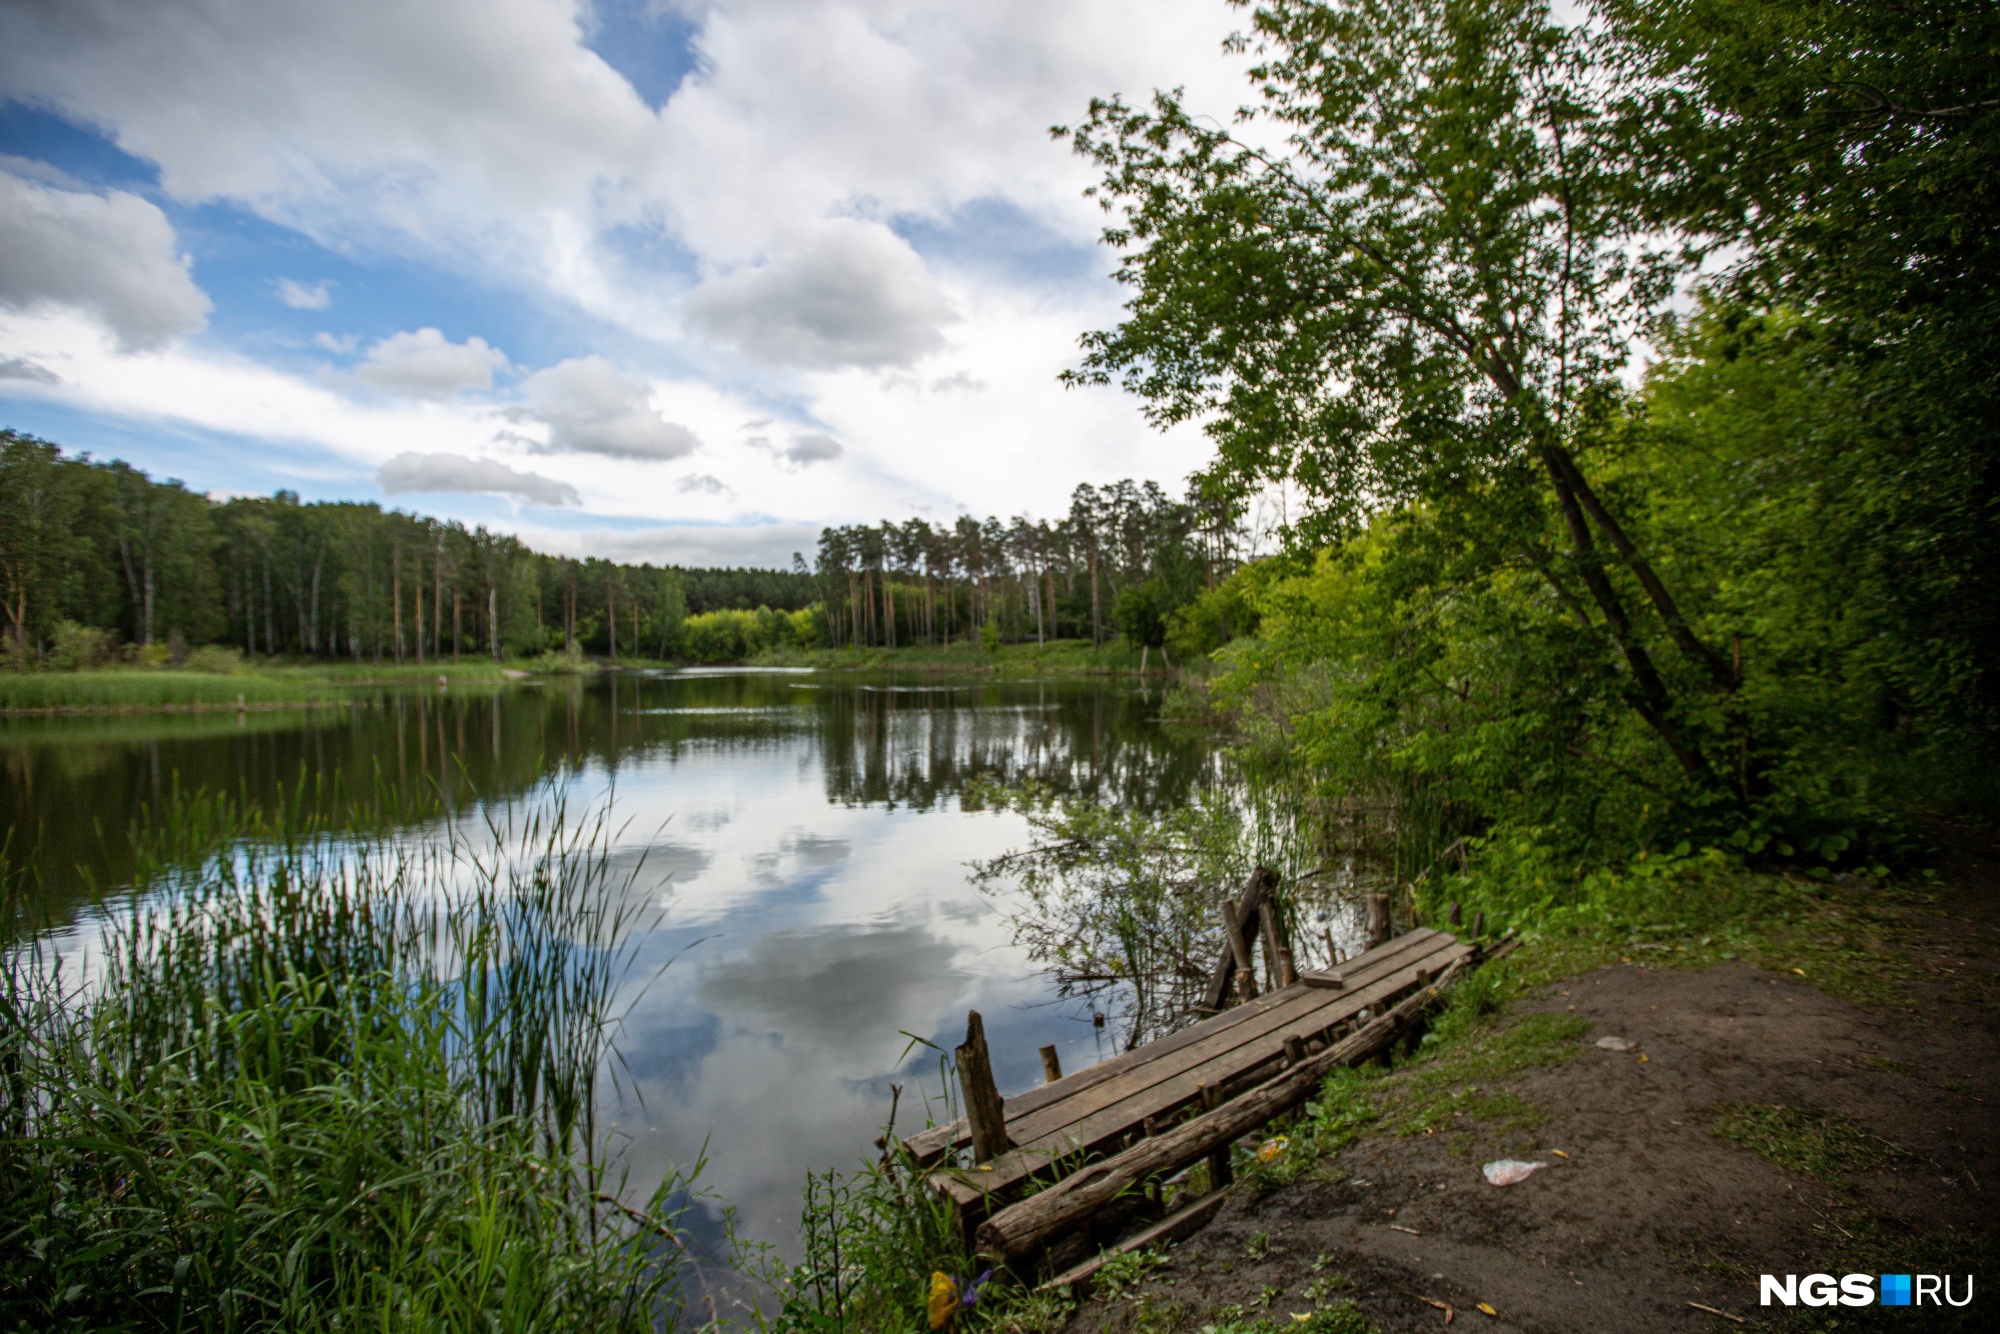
1343, 1317
1821, 1146
309, 1085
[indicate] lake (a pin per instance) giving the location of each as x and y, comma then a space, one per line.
801, 834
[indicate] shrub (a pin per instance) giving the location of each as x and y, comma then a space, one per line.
78, 648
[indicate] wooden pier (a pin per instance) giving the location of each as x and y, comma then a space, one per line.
1087, 1139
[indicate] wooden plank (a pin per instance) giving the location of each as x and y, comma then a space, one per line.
927, 1146
1296, 1009
1172, 1228
1019, 1230
1174, 1088
1043, 1140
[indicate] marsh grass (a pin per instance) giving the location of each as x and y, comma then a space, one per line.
311, 1082
262, 685
875, 1237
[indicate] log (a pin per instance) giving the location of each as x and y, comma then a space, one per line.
1379, 928
985, 1111
1225, 968
1051, 1065
1021, 1229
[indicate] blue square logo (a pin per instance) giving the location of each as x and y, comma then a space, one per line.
1895, 1290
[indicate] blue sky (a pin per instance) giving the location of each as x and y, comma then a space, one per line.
644, 278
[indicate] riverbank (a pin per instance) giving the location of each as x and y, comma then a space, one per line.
1806, 1081
1060, 657
258, 687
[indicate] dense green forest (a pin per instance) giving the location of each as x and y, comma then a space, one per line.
1638, 379
1124, 559
100, 562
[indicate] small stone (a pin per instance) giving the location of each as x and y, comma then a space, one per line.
1616, 1044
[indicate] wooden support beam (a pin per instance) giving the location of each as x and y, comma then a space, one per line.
1379, 926
1020, 1230
1051, 1065
1277, 945
1220, 1173
1172, 1228
985, 1111
1233, 959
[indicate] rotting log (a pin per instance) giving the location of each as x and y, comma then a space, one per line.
985, 1111
1020, 1230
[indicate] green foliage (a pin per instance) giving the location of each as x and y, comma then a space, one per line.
874, 1240
320, 1087
1120, 906
732, 636
1122, 1271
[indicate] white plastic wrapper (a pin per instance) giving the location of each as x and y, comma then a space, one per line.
1510, 1171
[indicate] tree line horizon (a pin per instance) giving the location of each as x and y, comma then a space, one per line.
102, 554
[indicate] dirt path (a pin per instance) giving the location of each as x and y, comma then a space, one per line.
1756, 1125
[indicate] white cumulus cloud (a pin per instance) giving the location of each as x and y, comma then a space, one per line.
111, 255
456, 473
426, 364
592, 407
853, 294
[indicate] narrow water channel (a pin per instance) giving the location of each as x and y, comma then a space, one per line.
803, 834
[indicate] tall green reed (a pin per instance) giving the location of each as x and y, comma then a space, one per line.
307, 1081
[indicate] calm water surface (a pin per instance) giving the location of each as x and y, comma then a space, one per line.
803, 833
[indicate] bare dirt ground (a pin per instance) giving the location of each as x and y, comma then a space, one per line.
1672, 1193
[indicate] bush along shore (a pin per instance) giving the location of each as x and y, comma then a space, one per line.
321, 1086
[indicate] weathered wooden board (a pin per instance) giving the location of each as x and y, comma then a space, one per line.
1158, 1084
929, 1145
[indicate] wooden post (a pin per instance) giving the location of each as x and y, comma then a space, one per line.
1295, 1049
1051, 1066
1227, 968
1277, 948
1379, 928
1478, 924
1332, 950
985, 1111
1239, 950
1454, 916
1220, 1173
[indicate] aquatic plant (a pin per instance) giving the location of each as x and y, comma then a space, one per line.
308, 1082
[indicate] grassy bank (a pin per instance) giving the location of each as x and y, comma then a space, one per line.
277, 685
1061, 657
312, 1088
